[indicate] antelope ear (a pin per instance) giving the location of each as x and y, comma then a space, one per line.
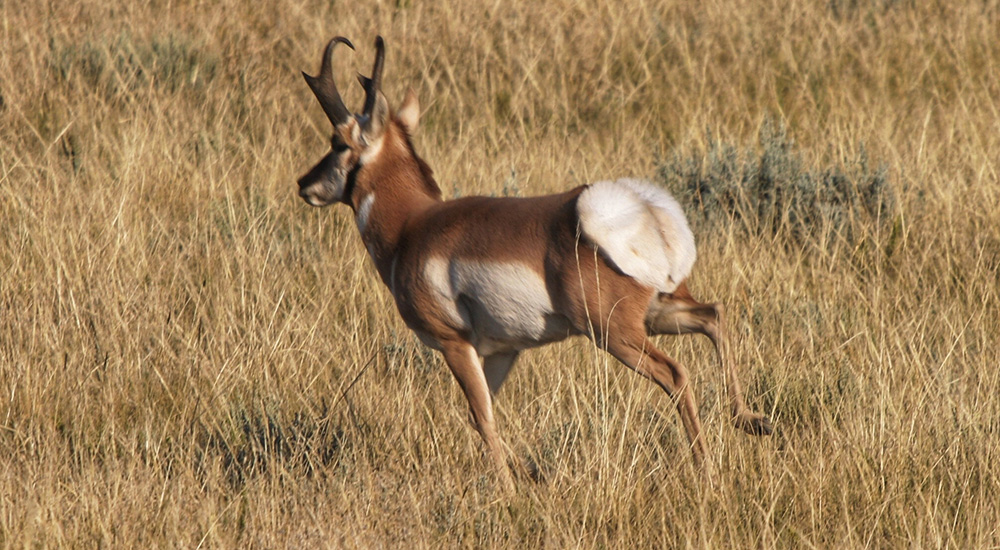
409, 112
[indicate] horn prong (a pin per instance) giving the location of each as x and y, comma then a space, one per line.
324, 87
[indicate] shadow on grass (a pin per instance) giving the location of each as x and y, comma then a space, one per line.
255, 441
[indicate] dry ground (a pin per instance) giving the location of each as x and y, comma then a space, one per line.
190, 356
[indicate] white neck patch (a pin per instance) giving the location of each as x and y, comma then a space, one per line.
364, 212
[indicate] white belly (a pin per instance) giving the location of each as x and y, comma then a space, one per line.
504, 306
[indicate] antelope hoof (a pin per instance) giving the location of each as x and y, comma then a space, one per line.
754, 424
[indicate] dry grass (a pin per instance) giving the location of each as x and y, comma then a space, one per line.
191, 356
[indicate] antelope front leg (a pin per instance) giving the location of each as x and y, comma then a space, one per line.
496, 367
464, 364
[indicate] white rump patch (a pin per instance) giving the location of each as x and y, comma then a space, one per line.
641, 229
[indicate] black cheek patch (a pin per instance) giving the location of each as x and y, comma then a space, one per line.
322, 171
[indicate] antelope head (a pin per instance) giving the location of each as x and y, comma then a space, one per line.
357, 137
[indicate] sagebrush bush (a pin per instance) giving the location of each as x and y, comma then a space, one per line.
770, 190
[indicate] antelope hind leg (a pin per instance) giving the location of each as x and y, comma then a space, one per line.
679, 313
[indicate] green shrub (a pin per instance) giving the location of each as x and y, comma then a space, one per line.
770, 190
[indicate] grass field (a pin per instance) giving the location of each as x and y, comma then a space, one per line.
190, 356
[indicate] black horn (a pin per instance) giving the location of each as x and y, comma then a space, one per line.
324, 87
373, 84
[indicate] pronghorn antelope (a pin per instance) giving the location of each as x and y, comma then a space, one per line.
481, 279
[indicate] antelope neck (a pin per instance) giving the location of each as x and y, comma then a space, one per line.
383, 205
